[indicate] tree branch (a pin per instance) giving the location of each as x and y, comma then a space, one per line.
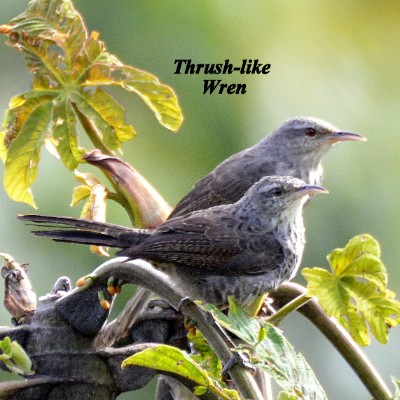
144, 274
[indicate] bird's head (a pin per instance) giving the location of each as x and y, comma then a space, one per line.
278, 196
306, 137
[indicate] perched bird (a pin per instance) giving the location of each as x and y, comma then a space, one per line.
242, 249
19, 297
295, 148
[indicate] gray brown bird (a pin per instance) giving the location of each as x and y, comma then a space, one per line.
19, 297
242, 249
294, 148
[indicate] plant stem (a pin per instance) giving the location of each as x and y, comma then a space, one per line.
339, 337
284, 311
91, 131
95, 138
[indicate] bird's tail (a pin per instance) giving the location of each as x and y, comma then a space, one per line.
74, 230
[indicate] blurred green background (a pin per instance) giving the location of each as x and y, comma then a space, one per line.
336, 60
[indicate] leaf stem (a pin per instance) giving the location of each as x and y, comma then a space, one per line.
284, 311
91, 131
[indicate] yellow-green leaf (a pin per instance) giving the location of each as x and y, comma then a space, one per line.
396, 383
54, 21
199, 390
24, 153
368, 266
67, 65
355, 292
204, 355
339, 259
286, 396
80, 193
64, 137
111, 112
160, 98
15, 357
170, 359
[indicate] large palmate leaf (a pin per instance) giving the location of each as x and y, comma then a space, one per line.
355, 291
68, 66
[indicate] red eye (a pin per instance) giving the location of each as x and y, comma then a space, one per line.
310, 132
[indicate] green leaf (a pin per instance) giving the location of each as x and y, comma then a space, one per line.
67, 65
204, 355
199, 390
5, 347
273, 353
15, 357
355, 292
160, 98
170, 359
339, 259
24, 151
286, 396
237, 321
80, 193
65, 138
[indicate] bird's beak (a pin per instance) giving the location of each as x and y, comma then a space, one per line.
310, 190
345, 137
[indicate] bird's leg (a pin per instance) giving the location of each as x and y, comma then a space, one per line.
241, 359
237, 358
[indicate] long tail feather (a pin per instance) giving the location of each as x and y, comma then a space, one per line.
83, 231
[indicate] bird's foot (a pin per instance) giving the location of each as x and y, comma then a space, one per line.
241, 358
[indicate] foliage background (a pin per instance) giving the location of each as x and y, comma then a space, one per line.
336, 60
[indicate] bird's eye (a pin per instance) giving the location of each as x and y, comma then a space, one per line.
310, 132
277, 192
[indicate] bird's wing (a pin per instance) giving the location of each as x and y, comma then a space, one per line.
213, 244
263, 253
228, 182
195, 240
209, 193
